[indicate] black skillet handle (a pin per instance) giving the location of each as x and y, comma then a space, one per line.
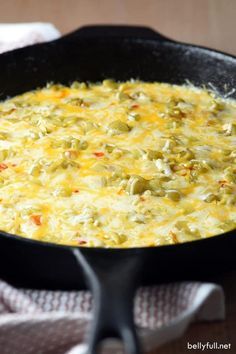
113, 279
100, 31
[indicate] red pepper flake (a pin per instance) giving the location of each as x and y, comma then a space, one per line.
184, 173
82, 242
11, 110
61, 94
173, 236
142, 199
223, 183
99, 154
36, 219
3, 166
210, 122
135, 106
76, 191
176, 168
120, 191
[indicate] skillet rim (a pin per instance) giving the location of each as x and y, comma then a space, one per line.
199, 242
154, 36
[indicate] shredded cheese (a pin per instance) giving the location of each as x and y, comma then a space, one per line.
111, 164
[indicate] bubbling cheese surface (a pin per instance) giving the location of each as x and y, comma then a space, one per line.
127, 164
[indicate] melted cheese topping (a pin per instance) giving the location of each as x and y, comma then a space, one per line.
117, 164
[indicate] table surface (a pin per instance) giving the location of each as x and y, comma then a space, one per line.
206, 22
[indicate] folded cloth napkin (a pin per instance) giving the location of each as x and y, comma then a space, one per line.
55, 322
16, 35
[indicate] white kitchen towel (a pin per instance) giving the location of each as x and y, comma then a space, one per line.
17, 35
55, 322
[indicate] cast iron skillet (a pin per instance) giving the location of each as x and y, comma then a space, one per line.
93, 54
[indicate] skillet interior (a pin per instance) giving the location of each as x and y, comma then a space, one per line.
88, 55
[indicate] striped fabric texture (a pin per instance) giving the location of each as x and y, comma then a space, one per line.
57, 322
